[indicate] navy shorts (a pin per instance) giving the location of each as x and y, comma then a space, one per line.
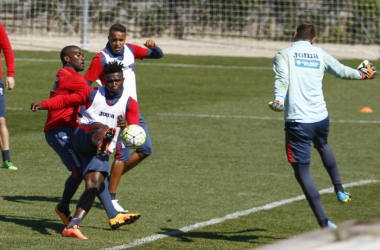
59, 140
122, 153
299, 137
2, 99
87, 153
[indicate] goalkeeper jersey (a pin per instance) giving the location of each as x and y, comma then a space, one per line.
299, 72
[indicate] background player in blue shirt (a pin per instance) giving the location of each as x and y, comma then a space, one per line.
299, 72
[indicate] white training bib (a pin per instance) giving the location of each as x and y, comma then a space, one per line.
100, 111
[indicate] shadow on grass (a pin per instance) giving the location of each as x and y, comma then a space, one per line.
239, 236
39, 225
32, 199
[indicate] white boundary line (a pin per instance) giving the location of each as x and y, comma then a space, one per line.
255, 117
163, 64
234, 116
229, 217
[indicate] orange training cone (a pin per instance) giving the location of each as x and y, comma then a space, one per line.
366, 110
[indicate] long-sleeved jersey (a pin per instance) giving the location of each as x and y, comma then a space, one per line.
67, 81
6, 47
299, 72
86, 97
100, 107
127, 56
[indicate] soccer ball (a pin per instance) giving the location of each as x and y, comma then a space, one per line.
133, 136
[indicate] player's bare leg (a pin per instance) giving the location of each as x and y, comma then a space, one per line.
93, 180
119, 168
4, 134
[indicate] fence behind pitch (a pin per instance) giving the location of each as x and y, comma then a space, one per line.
338, 21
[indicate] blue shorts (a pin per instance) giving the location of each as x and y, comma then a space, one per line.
59, 140
87, 153
299, 137
2, 99
122, 153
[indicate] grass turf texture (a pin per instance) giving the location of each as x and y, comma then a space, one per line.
203, 167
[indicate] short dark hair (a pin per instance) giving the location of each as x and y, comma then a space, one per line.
118, 27
305, 31
113, 67
65, 52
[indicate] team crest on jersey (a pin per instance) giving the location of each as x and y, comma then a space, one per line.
106, 114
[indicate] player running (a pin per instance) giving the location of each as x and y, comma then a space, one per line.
298, 92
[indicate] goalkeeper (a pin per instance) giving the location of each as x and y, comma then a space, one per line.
298, 92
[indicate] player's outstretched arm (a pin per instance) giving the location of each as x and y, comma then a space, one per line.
276, 106
150, 44
154, 51
367, 70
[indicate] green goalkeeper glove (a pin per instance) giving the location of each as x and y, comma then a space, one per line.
276, 106
367, 70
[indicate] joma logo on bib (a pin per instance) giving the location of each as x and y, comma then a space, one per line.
106, 114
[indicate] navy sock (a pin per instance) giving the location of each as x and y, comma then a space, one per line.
113, 196
105, 199
71, 186
5, 155
329, 163
323, 223
303, 176
73, 222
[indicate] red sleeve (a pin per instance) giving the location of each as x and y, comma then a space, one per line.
139, 52
5, 46
132, 113
76, 83
63, 101
95, 69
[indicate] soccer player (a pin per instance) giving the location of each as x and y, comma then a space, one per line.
107, 107
59, 129
298, 92
61, 124
118, 49
6, 47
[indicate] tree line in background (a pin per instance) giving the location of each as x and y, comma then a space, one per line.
337, 21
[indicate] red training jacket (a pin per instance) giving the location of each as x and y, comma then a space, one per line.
68, 81
6, 47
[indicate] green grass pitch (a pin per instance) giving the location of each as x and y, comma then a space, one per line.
218, 150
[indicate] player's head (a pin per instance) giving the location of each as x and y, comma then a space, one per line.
116, 37
305, 32
118, 27
72, 56
113, 72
